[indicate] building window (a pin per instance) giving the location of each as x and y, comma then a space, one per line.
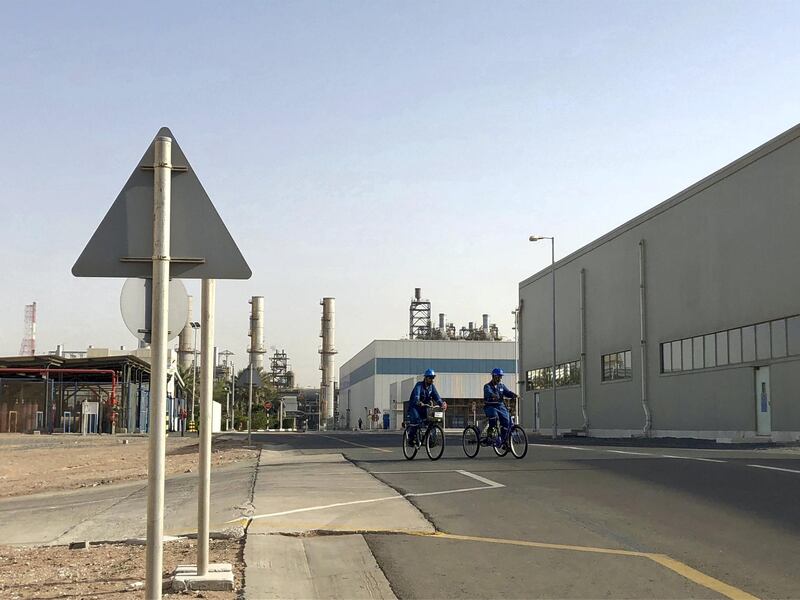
697, 352
616, 365
666, 357
710, 350
735, 346
793, 335
748, 343
722, 348
566, 374
751, 343
778, 338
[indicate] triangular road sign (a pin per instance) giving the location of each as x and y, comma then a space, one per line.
200, 245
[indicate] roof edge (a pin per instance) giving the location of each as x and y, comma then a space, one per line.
737, 165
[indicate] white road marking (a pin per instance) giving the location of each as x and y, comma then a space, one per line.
488, 482
490, 485
714, 460
635, 453
353, 443
564, 447
775, 468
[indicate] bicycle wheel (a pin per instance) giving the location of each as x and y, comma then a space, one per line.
518, 441
434, 442
410, 447
502, 449
471, 441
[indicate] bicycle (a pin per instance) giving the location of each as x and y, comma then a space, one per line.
432, 437
513, 438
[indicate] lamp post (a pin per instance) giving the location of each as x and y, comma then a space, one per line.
536, 238
517, 390
195, 326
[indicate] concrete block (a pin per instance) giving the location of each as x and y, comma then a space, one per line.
219, 578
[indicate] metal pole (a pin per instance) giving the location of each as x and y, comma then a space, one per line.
553, 270
250, 404
194, 372
516, 366
157, 444
232, 405
206, 388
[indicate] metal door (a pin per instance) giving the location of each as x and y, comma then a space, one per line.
763, 402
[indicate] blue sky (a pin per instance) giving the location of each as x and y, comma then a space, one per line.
361, 149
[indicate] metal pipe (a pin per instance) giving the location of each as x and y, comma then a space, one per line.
643, 341
582, 292
206, 389
162, 181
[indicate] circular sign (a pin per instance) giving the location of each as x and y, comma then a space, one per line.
267, 405
136, 302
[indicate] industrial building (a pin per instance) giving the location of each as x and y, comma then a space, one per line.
376, 382
53, 394
684, 321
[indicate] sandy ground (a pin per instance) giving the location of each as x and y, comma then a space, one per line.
108, 571
32, 464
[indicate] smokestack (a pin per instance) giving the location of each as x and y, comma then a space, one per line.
441, 321
327, 352
485, 322
185, 341
471, 325
417, 293
59, 350
257, 349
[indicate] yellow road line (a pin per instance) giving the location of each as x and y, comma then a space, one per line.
676, 566
701, 578
471, 538
353, 443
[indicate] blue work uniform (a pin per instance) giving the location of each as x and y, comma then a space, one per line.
493, 405
421, 394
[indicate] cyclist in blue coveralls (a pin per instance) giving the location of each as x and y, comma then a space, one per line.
423, 393
493, 405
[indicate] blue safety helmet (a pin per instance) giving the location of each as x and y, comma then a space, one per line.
430, 373
498, 372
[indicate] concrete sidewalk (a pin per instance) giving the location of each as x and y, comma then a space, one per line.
304, 536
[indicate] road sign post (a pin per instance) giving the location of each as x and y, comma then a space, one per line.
206, 388
150, 231
158, 378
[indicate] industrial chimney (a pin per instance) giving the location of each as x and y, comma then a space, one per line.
256, 334
185, 351
486, 322
328, 351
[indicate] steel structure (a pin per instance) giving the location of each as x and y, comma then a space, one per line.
419, 317
28, 345
279, 373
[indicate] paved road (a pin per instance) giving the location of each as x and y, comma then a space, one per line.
119, 511
586, 521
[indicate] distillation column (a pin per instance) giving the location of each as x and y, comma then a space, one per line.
256, 334
185, 351
328, 351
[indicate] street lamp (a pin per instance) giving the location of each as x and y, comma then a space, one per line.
536, 238
194, 325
